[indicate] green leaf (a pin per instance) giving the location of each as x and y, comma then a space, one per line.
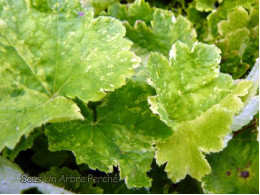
199, 21
98, 5
251, 107
178, 6
235, 39
60, 177
183, 151
163, 185
234, 28
24, 144
155, 32
69, 179
54, 5
236, 169
246, 115
233, 22
119, 187
189, 83
224, 9
195, 100
23, 109
160, 184
206, 5
254, 77
55, 54
165, 31
11, 177
121, 132
139, 10
47, 159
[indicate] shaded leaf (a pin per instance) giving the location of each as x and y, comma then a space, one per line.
122, 135
236, 169
24, 144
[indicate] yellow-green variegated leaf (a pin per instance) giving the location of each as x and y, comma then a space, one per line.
152, 30
183, 151
164, 30
23, 109
234, 28
120, 132
186, 85
51, 53
198, 102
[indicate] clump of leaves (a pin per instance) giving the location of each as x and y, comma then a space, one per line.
149, 93
234, 27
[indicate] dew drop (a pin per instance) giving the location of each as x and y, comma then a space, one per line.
17, 128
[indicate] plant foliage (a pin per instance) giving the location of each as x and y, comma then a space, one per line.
129, 96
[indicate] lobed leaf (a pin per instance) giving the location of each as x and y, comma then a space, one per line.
234, 27
24, 144
98, 5
183, 151
251, 107
206, 5
139, 10
189, 83
55, 53
152, 29
122, 135
236, 169
195, 100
